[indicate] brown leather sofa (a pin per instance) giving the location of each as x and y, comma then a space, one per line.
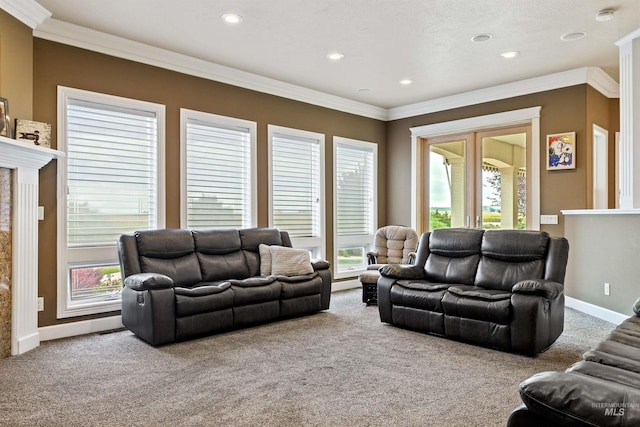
601, 390
179, 284
495, 288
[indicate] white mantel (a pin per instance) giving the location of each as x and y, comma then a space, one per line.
26, 159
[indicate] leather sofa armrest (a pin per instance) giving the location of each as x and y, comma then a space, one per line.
567, 399
402, 271
546, 288
147, 281
320, 264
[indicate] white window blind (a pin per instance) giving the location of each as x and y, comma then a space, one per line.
110, 182
218, 175
112, 172
354, 189
355, 204
296, 183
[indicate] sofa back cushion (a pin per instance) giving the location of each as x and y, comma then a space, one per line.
220, 254
509, 256
251, 238
454, 254
169, 252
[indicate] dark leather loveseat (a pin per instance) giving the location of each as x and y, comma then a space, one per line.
179, 284
601, 390
496, 288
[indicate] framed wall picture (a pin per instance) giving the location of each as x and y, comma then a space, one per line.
5, 121
561, 151
37, 133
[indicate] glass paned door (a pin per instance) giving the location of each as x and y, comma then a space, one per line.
502, 170
447, 184
476, 180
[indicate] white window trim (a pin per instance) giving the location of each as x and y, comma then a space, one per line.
313, 242
185, 115
530, 116
106, 255
366, 240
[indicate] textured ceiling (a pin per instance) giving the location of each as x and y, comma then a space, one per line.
384, 41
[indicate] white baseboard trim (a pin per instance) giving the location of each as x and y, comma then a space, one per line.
595, 311
79, 328
344, 285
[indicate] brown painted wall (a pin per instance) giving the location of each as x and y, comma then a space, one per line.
16, 66
58, 64
599, 113
563, 110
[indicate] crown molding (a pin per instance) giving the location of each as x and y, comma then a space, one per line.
593, 76
628, 38
85, 38
28, 12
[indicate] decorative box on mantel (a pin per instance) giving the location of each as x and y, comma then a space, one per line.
25, 160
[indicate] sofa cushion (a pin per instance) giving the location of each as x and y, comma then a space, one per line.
606, 372
306, 285
265, 259
515, 245
445, 269
419, 294
497, 274
472, 302
289, 261
202, 299
165, 244
510, 256
251, 238
216, 242
455, 242
185, 271
219, 267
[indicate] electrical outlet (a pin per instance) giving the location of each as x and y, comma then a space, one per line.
40, 303
607, 289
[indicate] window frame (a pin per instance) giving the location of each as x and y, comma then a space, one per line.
316, 245
364, 240
214, 119
96, 255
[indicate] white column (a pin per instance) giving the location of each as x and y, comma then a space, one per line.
26, 160
24, 325
629, 154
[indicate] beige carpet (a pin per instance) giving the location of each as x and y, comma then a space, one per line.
342, 367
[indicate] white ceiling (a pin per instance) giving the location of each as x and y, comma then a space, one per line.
384, 41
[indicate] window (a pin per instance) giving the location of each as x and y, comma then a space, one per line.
218, 171
297, 186
355, 203
110, 182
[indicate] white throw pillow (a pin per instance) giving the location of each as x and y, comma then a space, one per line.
289, 261
265, 259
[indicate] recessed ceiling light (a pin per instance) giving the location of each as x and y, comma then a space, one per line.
406, 82
569, 37
335, 56
481, 37
605, 15
231, 18
510, 55
365, 89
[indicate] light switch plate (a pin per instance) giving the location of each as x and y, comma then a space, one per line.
40, 213
548, 219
